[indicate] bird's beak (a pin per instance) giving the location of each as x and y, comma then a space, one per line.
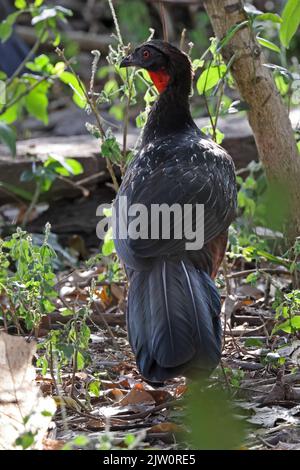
128, 61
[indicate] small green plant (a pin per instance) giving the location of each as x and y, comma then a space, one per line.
26, 281
288, 313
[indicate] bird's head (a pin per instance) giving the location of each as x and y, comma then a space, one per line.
165, 63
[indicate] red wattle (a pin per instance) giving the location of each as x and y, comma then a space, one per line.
160, 79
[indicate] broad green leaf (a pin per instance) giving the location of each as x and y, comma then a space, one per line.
111, 86
80, 361
273, 258
8, 137
281, 84
38, 3
66, 312
36, 102
6, 26
253, 342
210, 77
20, 4
71, 80
108, 246
117, 112
80, 441
269, 17
290, 325
270, 45
64, 166
39, 64
290, 22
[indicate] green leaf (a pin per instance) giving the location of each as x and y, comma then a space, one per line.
289, 326
25, 440
80, 441
270, 45
64, 166
269, 17
26, 195
8, 137
210, 77
281, 84
111, 86
108, 248
111, 149
80, 361
78, 88
230, 33
197, 64
38, 3
40, 63
36, 103
94, 388
290, 22
253, 342
6, 26
20, 4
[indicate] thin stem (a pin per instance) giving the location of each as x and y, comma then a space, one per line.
26, 92
92, 103
116, 23
33, 203
163, 20
126, 120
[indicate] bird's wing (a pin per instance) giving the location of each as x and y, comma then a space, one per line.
192, 172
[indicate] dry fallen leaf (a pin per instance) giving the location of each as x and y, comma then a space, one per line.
115, 394
53, 444
160, 396
20, 397
137, 397
166, 427
180, 390
68, 402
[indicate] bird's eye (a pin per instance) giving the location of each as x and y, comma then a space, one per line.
146, 54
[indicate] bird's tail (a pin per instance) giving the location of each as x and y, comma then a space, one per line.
173, 320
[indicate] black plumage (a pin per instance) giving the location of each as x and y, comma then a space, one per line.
173, 304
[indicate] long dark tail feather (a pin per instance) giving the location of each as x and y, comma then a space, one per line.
173, 320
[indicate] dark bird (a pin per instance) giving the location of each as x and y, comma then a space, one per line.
173, 313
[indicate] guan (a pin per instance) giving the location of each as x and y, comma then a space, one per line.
173, 309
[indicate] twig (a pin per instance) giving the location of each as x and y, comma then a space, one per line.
163, 20
109, 330
32, 204
260, 270
182, 39
93, 106
227, 282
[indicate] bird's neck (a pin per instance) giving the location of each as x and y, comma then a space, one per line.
170, 113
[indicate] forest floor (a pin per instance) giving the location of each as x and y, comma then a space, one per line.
258, 374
